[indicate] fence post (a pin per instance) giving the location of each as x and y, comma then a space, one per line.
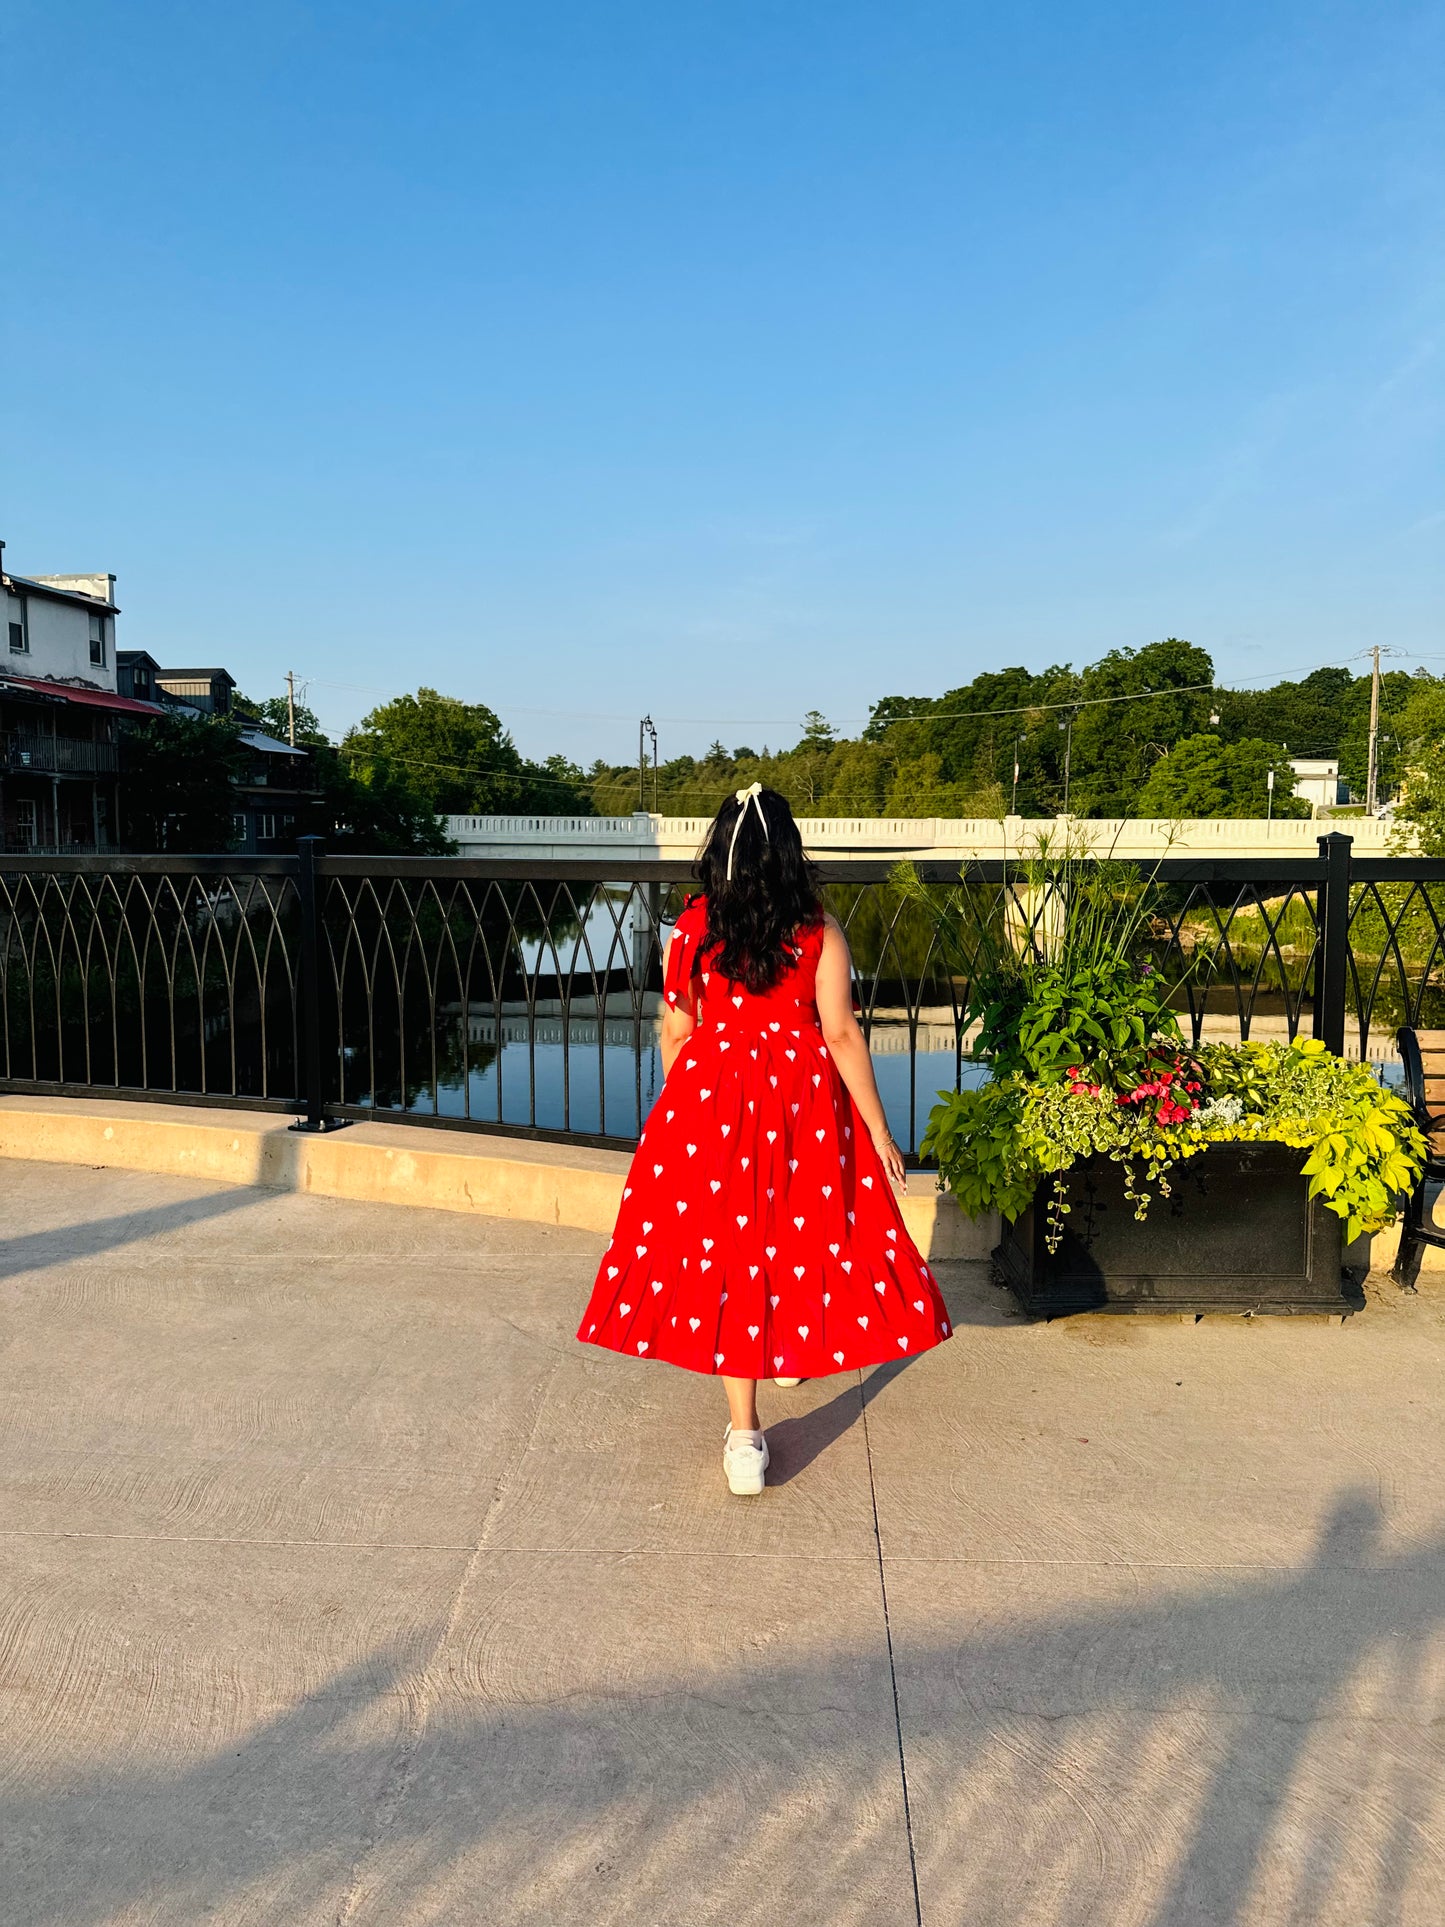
1333, 958
310, 988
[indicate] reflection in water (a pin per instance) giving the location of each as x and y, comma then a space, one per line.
622, 1066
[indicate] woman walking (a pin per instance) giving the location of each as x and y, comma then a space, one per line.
758, 1235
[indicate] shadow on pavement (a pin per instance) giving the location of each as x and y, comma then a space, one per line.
1215, 1754
92, 1238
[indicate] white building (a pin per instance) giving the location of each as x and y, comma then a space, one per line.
1317, 780
60, 628
59, 712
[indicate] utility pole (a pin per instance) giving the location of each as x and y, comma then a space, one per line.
291, 707
1372, 780
1068, 754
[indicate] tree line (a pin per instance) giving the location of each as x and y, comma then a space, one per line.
1141, 732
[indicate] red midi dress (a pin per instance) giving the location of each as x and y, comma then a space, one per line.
758, 1234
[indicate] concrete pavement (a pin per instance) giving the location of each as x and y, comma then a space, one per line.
340, 1586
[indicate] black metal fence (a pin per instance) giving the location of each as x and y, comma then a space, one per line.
521, 997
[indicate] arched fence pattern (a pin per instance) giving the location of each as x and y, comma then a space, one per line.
520, 996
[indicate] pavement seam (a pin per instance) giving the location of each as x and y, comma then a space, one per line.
892, 1671
397, 1786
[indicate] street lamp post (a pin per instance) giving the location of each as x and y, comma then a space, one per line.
644, 730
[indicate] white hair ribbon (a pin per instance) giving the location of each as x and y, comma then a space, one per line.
752, 794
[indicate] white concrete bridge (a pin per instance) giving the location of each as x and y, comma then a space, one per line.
862, 838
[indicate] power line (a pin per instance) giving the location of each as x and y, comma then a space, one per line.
919, 715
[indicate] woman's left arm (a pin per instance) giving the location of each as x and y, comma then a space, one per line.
833, 992
679, 1020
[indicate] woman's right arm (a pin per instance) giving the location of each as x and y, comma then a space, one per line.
833, 992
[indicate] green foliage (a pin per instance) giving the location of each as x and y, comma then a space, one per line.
953, 755
995, 1145
1055, 963
1205, 776
1420, 813
175, 791
1110, 1015
459, 759
370, 808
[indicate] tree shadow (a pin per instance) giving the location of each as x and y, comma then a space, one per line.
1040, 1757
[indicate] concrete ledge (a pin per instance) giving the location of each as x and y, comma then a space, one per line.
400, 1164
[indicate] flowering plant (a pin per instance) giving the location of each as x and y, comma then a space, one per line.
1086, 1058
995, 1144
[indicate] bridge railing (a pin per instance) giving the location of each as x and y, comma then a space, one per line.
520, 996
955, 838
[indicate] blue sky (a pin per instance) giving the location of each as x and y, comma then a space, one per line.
725, 362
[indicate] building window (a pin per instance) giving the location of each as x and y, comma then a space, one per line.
266, 824
238, 828
97, 641
26, 829
19, 642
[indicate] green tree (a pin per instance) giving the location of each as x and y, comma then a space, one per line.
1203, 776
1167, 690
371, 808
1420, 812
457, 755
176, 790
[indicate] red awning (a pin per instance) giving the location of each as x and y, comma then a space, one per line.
88, 698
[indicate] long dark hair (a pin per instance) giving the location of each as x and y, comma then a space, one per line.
772, 895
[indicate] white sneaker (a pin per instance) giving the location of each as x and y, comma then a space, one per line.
787, 1384
744, 1464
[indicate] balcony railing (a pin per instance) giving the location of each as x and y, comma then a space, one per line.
56, 755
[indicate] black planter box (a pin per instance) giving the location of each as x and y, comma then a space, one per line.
1238, 1233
